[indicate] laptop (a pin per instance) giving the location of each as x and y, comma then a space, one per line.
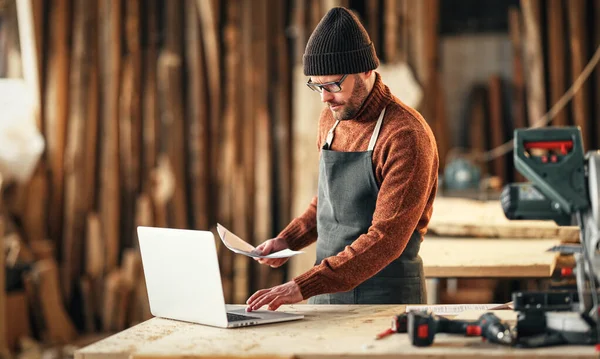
183, 280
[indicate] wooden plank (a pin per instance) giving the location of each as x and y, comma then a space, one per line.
59, 328
92, 129
519, 113
3, 324
198, 138
534, 63
301, 33
94, 246
391, 30
110, 70
373, 23
150, 122
351, 331
56, 110
263, 190
130, 121
471, 218
170, 72
579, 56
75, 156
210, 33
487, 258
556, 57
596, 5
478, 126
496, 117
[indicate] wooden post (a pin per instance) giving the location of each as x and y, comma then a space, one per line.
534, 62
578, 40
110, 65
56, 110
556, 57
596, 45
150, 131
300, 29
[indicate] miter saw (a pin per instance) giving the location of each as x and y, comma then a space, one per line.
564, 187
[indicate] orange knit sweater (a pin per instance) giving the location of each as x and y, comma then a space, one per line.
405, 163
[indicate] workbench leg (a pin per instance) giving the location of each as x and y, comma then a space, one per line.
433, 290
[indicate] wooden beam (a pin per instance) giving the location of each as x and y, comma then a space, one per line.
301, 35
150, 122
597, 82
577, 28
198, 138
556, 57
56, 110
373, 23
110, 69
534, 63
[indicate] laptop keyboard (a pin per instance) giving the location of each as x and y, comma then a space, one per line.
237, 317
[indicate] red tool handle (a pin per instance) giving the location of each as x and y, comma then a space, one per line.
563, 146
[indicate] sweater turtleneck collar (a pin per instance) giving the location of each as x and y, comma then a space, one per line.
379, 97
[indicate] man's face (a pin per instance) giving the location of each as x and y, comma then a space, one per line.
346, 103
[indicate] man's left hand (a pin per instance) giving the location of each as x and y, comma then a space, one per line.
287, 293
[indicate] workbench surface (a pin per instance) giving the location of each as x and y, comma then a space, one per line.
326, 331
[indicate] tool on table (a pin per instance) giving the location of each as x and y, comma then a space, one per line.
423, 326
564, 187
399, 323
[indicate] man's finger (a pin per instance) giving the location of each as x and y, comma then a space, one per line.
256, 295
264, 300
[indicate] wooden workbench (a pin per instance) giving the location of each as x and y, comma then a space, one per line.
326, 331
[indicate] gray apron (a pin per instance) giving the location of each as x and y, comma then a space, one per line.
347, 197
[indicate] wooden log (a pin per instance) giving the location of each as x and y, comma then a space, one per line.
35, 212
110, 311
132, 273
87, 303
497, 124
56, 110
172, 119
556, 57
198, 121
578, 42
534, 63
59, 328
110, 69
391, 32
75, 156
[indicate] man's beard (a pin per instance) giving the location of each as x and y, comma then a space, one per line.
354, 103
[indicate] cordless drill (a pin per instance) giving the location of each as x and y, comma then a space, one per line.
422, 327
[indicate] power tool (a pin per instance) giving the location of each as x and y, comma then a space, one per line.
422, 326
564, 187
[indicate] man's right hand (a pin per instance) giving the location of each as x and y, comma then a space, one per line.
270, 246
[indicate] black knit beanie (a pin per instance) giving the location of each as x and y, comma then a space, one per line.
339, 45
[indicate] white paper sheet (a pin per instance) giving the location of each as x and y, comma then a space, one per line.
238, 245
453, 309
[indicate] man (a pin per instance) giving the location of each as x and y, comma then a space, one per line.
377, 182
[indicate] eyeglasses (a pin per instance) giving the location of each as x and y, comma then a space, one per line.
334, 86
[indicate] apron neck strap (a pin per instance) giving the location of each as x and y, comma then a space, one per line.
376, 131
